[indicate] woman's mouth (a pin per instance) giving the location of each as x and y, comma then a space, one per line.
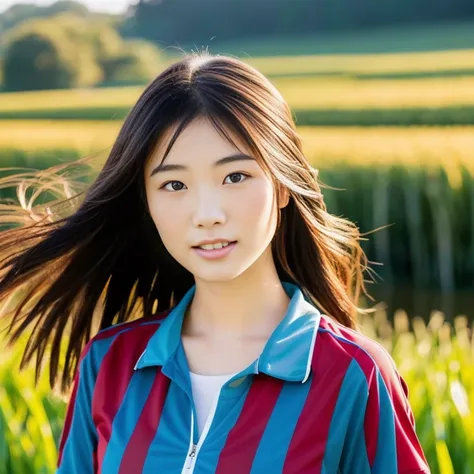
215, 253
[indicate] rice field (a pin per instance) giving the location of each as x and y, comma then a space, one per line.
306, 93
417, 147
390, 63
70, 98
313, 93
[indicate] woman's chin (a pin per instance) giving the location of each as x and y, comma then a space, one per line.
213, 272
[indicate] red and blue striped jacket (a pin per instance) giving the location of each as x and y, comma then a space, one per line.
320, 399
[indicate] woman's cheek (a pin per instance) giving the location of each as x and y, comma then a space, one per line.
164, 218
259, 204
168, 223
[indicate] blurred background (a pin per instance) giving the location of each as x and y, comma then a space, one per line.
383, 97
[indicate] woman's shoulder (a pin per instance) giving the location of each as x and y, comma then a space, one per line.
121, 344
364, 377
131, 328
341, 346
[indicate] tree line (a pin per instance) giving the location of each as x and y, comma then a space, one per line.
69, 50
64, 45
191, 20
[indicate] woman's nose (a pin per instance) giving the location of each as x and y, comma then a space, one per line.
208, 209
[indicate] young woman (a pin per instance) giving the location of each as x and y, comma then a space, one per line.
245, 356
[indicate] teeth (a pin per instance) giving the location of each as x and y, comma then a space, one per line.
219, 245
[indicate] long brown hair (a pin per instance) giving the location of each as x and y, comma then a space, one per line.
103, 262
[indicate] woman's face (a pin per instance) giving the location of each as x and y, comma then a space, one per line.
197, 199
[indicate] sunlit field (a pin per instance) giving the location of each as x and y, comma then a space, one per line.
300, 92
394, 63
362, 146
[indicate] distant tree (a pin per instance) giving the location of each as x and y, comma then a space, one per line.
137, 63
38, 60
132, 62
105, 41
69, 6
68, 51
19, 13
174, 21
42, 55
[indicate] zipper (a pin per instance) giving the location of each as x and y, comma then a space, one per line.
188, 463
191, 457
194, 449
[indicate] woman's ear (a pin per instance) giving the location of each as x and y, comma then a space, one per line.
283, 196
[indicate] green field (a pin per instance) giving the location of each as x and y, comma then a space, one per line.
448, 35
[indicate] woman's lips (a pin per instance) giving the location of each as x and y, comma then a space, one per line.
214, 254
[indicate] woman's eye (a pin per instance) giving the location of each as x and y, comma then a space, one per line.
171, 185
173, 188
237, 174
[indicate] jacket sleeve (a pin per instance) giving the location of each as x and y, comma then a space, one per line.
77, 446
391, 441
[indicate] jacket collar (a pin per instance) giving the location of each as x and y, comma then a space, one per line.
287, 354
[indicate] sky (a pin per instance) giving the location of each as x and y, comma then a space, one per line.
109, 6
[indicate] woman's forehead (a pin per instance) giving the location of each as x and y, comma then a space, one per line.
199, 140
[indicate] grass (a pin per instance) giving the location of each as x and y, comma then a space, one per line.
436, 359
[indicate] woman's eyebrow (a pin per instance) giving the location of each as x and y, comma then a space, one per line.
222, 161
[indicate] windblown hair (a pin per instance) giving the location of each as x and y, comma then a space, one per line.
103, 261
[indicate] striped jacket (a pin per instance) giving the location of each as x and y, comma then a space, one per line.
320, 399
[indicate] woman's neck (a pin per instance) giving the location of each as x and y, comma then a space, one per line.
236, 309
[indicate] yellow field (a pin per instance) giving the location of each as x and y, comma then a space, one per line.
367, 63
417, 147
412, 146
60, 99
83, 135
300, 92
311, 93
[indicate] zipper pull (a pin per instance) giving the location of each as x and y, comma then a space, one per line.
191, 456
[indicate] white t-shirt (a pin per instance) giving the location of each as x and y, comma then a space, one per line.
205, 388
